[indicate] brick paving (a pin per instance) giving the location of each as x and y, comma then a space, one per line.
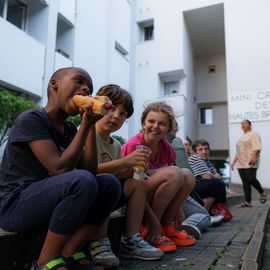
266, 255
220, 248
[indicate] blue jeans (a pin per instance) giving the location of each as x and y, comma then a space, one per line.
195, 214
62, 203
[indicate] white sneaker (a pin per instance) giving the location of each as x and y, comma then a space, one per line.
216, 220
135, 247
190, 229
102, 254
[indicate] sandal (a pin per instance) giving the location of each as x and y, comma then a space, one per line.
244, 205
74, 262
263, 198
51, 265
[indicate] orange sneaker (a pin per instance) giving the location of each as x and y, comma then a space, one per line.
180, 238
143, 231
164, 244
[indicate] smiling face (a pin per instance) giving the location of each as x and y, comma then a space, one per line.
112, 121
65, 84
155, 126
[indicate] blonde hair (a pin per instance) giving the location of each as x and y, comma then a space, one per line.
160, 107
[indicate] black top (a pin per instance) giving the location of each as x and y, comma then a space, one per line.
20, 167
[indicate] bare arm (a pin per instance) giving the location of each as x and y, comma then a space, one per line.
233, 162
57, 162
123, 163
207, 176
254, 156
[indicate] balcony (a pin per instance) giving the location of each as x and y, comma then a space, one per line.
22, 59
61, 61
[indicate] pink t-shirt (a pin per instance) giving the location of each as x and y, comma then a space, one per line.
166, 154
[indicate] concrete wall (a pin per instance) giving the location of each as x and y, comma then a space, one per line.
97, 30
248, 60
212, 92
211, 87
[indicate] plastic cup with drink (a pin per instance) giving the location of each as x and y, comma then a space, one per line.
139, 169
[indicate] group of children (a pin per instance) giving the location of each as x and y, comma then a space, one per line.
70, 180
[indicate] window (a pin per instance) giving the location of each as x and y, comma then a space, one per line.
2, 5
212, 69
206, 116
64, 37
171, 88
149, 32
146, 30
14, 11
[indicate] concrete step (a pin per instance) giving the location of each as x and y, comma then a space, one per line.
235, 199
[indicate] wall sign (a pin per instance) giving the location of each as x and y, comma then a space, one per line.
252, 105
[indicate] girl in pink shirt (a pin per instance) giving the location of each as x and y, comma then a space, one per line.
168, 185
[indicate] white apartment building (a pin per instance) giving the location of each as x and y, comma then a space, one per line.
209, 59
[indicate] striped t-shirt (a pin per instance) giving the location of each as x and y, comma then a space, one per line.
200, 166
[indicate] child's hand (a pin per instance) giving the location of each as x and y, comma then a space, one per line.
253, 160
135, 157
88, 116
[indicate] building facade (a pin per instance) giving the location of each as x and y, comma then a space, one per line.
209, 59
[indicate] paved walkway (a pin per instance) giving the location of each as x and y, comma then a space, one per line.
266, 254
226, 247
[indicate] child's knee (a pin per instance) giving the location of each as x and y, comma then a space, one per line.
85, 181
175, 175
140, 186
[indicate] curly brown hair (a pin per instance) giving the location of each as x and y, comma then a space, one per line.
163, 107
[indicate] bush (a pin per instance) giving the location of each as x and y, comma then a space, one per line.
11, 106
119, 139
76, 120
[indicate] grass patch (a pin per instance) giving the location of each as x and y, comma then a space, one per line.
219, 256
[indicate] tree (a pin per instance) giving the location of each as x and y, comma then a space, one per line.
119, 139
76, 120
11, 105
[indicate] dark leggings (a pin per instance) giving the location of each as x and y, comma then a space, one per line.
248, 177
62, 203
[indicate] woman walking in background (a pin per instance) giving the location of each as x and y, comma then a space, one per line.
246, 160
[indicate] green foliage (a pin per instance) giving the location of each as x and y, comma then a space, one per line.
119, 139
11, 106
76, 120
